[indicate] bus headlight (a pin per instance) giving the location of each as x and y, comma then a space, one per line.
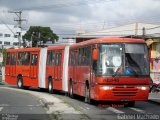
143, 87
107, 87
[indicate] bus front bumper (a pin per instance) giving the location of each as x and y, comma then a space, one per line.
122, 92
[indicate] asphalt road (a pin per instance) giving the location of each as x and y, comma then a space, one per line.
14, 102
115, 111
20, 106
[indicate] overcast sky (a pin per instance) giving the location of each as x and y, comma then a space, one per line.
67, 16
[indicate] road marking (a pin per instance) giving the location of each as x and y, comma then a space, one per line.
3, 105
82, 108
87, 108
137, 110
30, 105
154, 98
114, 110
34, 105
1, 109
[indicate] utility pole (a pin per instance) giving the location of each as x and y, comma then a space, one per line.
144, 32
136, 29
104, 25
19, 21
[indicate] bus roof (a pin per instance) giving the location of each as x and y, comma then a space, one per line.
109, 40
56, 47
35, 48
23, 49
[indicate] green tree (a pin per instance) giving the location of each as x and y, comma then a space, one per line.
38, 33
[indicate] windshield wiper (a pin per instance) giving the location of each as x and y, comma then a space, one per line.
134, 67
115, 73
135, 72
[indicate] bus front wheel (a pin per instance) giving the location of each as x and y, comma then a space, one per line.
20, 82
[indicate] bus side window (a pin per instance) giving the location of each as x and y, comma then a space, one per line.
13, 59
34, 59
88, 55
20, 58
26, 58
50, 58
58, 59
8, 59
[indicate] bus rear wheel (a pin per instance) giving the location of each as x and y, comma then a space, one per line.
87, 94
131, 103
20, 82
50, 86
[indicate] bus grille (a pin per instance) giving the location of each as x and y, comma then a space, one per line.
124, 91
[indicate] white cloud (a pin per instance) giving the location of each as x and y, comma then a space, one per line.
67, 16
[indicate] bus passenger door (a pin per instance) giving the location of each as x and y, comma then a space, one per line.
93, 69
34, 66
13, 65
75, 72
58, 71
7, 65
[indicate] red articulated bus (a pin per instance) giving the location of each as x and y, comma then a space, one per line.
104, 69
109, 69
38, 67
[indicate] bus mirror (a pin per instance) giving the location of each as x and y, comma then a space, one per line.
95, 54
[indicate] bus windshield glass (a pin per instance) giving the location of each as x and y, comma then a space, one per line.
123, 59
136, 60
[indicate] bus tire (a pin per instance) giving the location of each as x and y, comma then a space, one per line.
71, 95
50, 86
131, 103
87, 94
26, 87
20, 82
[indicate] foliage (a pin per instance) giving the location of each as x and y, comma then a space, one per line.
39, 33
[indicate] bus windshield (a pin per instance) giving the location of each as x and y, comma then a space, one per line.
136, 59
123, 59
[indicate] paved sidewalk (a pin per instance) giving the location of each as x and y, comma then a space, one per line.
56, 107
155, 97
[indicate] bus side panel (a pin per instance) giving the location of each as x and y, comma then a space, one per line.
70, 74
49, 72
71, 68
7, 70
93, 81
57, 83
7, 74
83, 77
25, 72
10, 80
10, 69
76, 73
34, 69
